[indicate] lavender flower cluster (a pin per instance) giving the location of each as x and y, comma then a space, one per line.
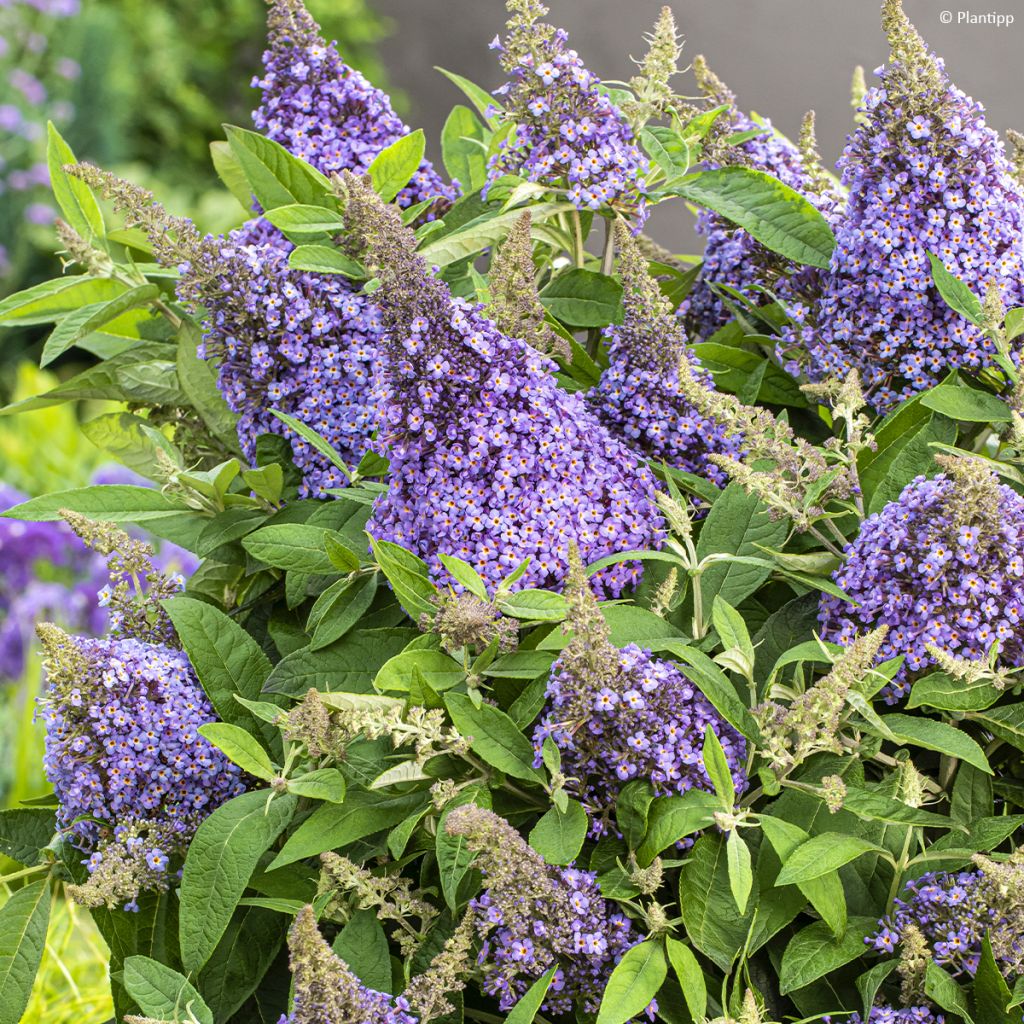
327, 113
532, 917
897, 1015
639, 397
568, 134
951, 913
301, 343
123, 750
926, 175
647, 722
490, 459
941, 565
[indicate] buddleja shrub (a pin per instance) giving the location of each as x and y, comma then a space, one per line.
579, 634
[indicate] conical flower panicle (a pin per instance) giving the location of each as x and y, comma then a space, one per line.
621, 714
295, 341
490, 460
533, 917
926, 176
638, 396
132, 776
568, 134
326, 990
941, 567
327, 113
731, 256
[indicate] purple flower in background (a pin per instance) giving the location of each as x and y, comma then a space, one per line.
40, 213
123, 748
732, 257
896, 1015
490, 460
639, 397
940, 565
533, 917
926, 177
567, 133
327, 113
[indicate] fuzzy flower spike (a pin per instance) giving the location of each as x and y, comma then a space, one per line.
327, 113
567, 134
618, 715
638, 396
941, 567
490, 460
731, 256
926, 177
532, 917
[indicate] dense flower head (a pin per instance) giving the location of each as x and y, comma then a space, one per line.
567, 134
327, 113
926, 176
326, 990
490, 460
533, 916
639, 397
301, 343
732, 257
940, 566
949, 914
123, 747
619, 715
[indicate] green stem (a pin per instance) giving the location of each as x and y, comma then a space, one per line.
23, 873
580, 254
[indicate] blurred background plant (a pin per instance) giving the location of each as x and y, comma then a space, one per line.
141, 88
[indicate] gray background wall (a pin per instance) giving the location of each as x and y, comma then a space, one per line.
781, 57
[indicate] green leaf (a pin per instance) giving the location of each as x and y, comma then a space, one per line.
320, 784
335, 826
275, 177
81, 322
967, 404
454, 858
741, 876
821, 854
584, 298
737, 524
779, 218
394, 166
162, 993
942, 691
813, 952
462, 148
871, 981
932, 735
25, 831
363, 945
351, 603
302, 220
49, 301
534, 606
480, 98
493, 736
940, 988
955, 293
1006, 722
226, 658
873, 806
325, 259
691, 977
74, 197
671, 818
917, 458
634, 983
23, 922
409, 578
717, 768
230, 172
297, 547
221, 859
437, 668
240, 747
526, 1010
991, 995
462, 572
558, 836
198, 379
109, 503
